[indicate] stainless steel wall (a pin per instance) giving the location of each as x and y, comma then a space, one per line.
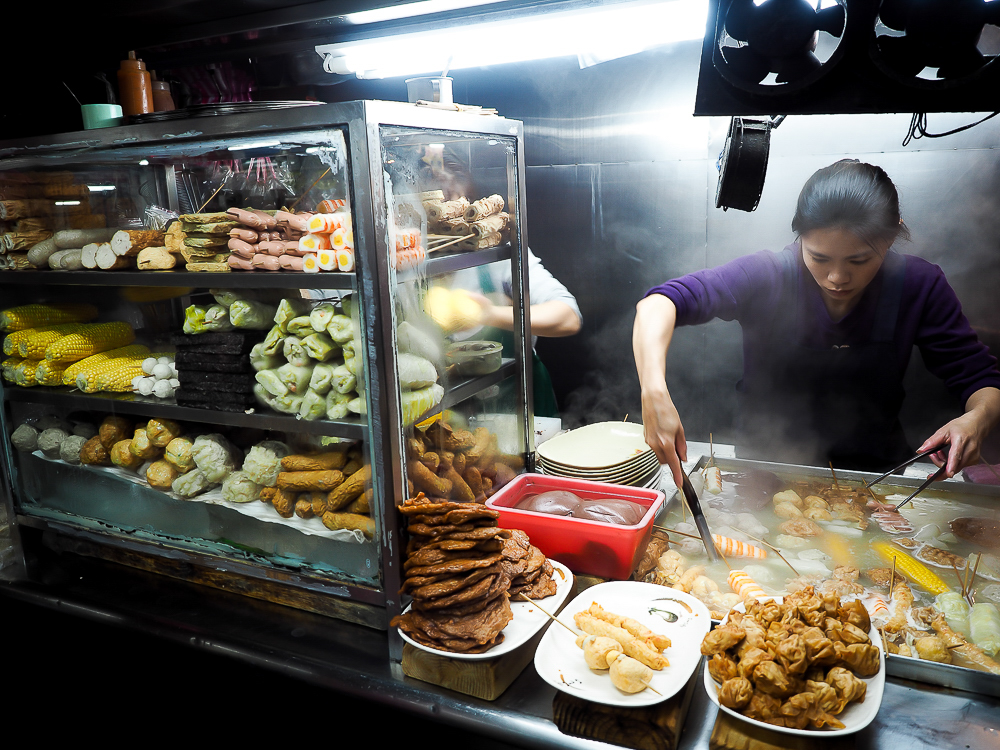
621, 194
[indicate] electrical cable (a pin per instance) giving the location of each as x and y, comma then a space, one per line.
918, 127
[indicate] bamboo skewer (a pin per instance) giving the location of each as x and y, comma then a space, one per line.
291, 208
836, 484
892, 578
972, 597
443, 245
221, 185
679, 533
959, 576
775, 549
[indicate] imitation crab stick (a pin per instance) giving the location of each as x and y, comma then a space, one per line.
330, 205
877, 606
345, 260
736, 548
745, 586
713, 479
326, 223
310, 243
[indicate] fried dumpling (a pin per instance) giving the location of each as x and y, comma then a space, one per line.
771, 678
736, 693
722, 668
722, 639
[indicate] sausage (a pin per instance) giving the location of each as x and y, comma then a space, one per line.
272, 247
252, 219
265, 262
299, 222
242, 233
240, 264
241, 248
290, 263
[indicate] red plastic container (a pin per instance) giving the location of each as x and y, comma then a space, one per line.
596, 548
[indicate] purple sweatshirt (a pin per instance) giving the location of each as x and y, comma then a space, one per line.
748, 290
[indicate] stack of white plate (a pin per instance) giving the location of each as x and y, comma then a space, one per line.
613, 452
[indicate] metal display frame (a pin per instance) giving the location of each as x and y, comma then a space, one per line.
374, 283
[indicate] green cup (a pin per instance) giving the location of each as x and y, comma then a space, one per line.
101, 115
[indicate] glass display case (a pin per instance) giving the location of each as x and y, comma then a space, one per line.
233, 345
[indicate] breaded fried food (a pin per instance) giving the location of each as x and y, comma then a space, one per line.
631, 645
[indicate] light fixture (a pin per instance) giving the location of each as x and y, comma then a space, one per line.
100, 188
408, 10
143, 162
593, 35
67, 203
254, 144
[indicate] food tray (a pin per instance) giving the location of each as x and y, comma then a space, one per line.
978, 497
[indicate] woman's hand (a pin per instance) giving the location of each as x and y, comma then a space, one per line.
663, 430
965, 435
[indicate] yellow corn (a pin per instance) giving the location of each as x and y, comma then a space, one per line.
33, 347
132, 350
912, 568
33, 316
7, 367
12, 340
48, 373
119, 379
89, 380
93, 339
24, 373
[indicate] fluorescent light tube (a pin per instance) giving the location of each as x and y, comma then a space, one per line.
592, 35
408, 10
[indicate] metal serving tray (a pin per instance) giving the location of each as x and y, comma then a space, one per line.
974, 495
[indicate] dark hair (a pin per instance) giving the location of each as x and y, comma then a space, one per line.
854, 196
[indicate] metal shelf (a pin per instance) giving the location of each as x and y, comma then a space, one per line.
450, 262
234, 280
129, 403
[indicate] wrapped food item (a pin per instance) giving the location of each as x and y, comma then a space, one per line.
336, 405
287, 311
214, 456
322, 379
313, 406
340, 329
287, 404
263, 462
955, 610
239, 487
194, 319
261, 361
193, 483
343, 380
412, 340
271, 383
273, 342
321, 315
415, 372
256, 316
295, 378
984, 626
142, 447
300, 326
320, 347
162, 431
294, 352
416, 403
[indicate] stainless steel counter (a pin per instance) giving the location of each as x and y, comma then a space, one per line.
354, 660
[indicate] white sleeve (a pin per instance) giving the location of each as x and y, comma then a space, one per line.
543, 286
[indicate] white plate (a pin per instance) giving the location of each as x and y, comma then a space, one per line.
638, 467
559, 661
527, 621
854, 718
596, 445
647, 481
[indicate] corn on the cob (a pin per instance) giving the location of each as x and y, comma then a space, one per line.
24, 373
33, 316
33, 347
93, 339
736, 548
132, 350
745, 586
48, 373
7, 368
12, 340
119, 379
88, 380
912, 568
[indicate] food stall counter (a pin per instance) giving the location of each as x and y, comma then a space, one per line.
352, 659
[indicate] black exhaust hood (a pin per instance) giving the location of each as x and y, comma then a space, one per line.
768, 57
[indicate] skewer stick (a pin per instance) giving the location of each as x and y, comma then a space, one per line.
892, 578
959, 576
723, 557
972, 597
550, 616
291, 208
445, 244
990, 467
775, 549
836, 484
679, 533
711, 451
221, 185
965, 586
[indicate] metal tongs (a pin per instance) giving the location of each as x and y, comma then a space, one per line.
694, 505
927, 482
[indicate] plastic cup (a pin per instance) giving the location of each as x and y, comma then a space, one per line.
101, 115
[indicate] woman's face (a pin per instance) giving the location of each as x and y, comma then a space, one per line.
842, 264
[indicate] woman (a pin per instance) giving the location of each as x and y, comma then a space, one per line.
828, 328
